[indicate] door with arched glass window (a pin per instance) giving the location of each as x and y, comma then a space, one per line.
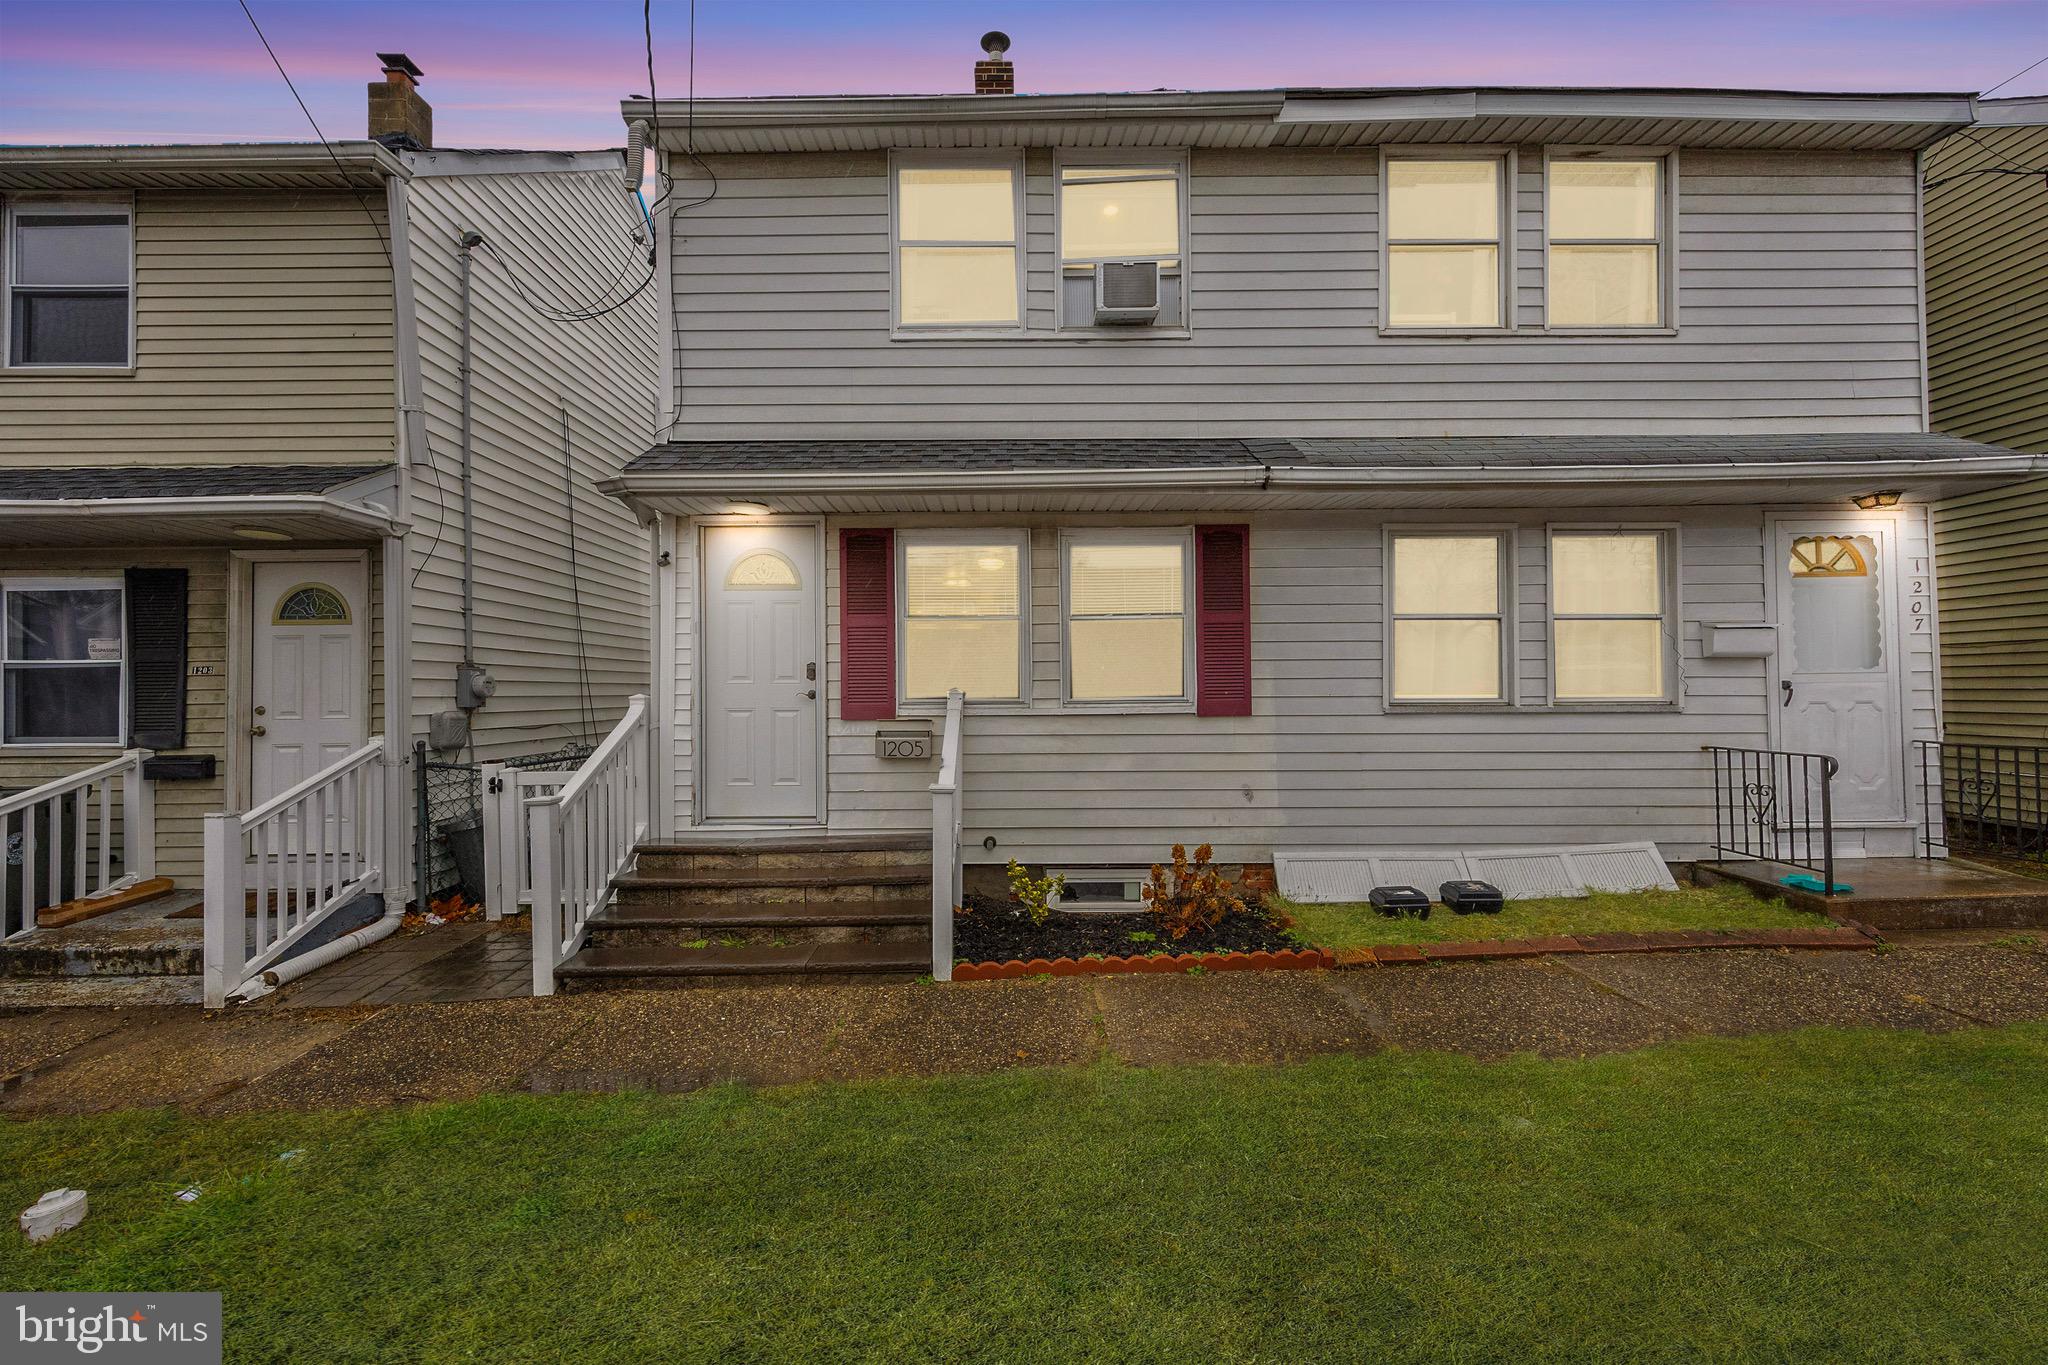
308, 692
1837, 668
761, 673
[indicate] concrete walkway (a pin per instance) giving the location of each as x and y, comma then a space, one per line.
250, 1059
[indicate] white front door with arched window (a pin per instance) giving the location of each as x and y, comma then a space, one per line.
1838, 658
763, 674
309, 661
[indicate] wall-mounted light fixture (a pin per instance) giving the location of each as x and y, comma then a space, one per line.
1870, 502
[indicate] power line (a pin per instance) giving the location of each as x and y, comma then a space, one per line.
2013, 77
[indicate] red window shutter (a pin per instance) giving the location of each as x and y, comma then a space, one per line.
1223, 620
867, 624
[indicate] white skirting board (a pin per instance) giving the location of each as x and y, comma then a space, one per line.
1328, 876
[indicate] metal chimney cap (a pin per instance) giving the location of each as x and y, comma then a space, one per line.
995, 42
398, 61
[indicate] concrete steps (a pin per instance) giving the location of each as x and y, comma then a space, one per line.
783, 908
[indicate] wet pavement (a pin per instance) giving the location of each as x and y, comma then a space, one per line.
276, 1057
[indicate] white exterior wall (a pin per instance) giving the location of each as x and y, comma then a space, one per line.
565, 233
1323, 760
1797, 311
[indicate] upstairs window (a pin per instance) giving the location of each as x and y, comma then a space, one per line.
957, 263
1606, 242
1444, 227
69, 268
1128, 211
963, 614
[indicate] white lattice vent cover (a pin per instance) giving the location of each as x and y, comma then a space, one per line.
1330, 876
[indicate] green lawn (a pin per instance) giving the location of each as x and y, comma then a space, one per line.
1820, 1195
1636, 912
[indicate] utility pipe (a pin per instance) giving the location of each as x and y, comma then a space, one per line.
292, 969
469, 243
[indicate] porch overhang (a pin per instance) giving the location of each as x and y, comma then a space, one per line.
231, 505
1304, 474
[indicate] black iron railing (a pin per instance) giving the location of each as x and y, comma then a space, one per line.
1776, 807
1983, 798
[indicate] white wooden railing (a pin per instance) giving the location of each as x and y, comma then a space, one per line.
946, 875
508, 851
274, 873
46, 842
582, 836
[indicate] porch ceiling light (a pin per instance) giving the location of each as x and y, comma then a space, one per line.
261, 533
1870, 502
748, 509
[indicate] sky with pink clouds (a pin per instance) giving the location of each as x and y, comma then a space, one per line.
550, 73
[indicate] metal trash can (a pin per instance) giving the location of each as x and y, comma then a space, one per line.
464, 838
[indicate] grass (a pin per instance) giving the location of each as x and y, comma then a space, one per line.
1635, 912
1819, 1195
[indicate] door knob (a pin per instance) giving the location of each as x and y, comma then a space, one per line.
811, 694
1785, 688
258, 731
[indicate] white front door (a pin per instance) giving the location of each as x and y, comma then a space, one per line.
761, 672
308, 704
1838, 658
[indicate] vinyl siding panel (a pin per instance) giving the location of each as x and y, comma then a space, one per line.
1987, 333
1796, 287
562, 571
263, 335
1323, 759
180, 806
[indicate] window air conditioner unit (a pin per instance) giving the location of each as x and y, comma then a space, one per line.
1127, 292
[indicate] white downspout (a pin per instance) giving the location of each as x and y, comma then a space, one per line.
292, 969
398, 615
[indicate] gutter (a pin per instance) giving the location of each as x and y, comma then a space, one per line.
738, 482
249, 505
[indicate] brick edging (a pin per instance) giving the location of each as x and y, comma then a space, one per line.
1285, 959
1400, 954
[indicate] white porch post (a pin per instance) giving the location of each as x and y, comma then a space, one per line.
397, 773
546, 833
138, 822
226, 932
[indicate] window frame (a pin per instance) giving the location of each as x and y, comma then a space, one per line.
902, 159
1181, 536
14, 208
1504, 241
76, 583
1507, 612
1181, 163
1671, 615
905, 537
1666, 240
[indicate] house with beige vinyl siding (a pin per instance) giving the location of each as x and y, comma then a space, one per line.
1061, 477
1987, 341
298, 453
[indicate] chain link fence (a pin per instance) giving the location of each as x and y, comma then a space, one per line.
448, 806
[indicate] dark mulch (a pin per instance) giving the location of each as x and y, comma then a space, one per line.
990, 929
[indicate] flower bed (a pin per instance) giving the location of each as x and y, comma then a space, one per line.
991, 933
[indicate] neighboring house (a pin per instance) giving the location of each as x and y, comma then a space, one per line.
232, 439
1987, 343
1480, 456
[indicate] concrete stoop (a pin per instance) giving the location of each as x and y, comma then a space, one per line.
1903, 893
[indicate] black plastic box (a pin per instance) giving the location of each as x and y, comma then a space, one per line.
179, 768
1471, 898
1393, 901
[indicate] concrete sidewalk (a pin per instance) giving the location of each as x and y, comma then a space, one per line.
81, 1061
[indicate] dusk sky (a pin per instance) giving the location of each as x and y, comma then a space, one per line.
550, 73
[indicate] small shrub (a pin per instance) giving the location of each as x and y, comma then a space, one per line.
1037, 897
1190, 894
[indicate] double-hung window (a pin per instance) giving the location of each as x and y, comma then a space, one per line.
1127, 616
1610, 606
963, 601
1448, 623
62, 660
1605, 248
1116, 212
957, 259
68, 277
1445, 226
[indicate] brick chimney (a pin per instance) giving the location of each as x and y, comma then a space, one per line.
993, 74
399, 117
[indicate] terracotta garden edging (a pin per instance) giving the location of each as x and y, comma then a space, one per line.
1676, 940
1285, 959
